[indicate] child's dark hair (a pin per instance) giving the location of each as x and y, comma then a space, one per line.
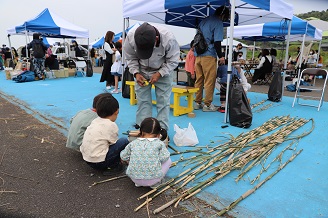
106, 106
152, 126
118, 46
96, 98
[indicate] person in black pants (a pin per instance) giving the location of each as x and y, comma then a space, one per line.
264, 67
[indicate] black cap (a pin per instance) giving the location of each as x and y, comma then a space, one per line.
145, 38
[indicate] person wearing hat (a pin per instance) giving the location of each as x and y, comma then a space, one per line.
236, 51
152, 53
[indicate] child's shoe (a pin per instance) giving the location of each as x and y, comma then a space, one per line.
221, 109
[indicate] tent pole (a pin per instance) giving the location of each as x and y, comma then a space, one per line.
253, 51
318, 52
88, 50
226, 49
286, 59
232, 23
125, 20
26, 51
300, 59
11, 52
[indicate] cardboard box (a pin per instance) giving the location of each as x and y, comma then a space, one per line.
14, 73
71, 71
61, 73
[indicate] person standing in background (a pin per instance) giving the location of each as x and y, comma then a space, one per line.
39, 52
93, 57
206, 63
109, 49
190, 65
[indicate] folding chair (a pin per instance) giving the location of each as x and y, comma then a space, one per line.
312, 88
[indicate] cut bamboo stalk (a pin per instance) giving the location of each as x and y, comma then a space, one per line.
251, 191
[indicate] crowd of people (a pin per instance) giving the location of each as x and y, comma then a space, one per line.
152, 54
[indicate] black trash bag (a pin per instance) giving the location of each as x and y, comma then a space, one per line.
240, 113
127, 76
275, 89
89, 72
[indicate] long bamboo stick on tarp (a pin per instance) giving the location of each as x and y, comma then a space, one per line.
251, 191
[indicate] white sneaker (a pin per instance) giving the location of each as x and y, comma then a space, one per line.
198, 106
210, 108
108, 87
114, 91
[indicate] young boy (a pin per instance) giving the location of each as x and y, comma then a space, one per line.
101, 146
80, 122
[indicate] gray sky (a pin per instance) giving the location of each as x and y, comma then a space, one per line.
98, 16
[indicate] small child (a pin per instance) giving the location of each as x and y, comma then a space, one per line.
101, 146
147, 156
80, 122
117, 69
190, 65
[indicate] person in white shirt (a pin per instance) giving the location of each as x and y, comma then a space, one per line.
264, 67
101, 146
117, 69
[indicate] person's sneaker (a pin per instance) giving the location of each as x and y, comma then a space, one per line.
114, 171
210, 108
108, 87
221, 109
198, 106
114, 91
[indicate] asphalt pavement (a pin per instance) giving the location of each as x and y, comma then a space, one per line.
40, 177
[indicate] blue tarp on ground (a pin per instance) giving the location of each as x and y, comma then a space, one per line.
299, 190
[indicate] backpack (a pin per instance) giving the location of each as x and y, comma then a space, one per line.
200, 43
38, 51
240, 112
127, 76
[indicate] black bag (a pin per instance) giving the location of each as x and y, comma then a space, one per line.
240, 113
127, 76
200, 43
275, 89
38, 51
89, 72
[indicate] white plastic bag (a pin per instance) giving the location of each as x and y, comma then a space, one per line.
185, 136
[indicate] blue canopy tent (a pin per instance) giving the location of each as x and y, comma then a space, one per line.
100, 42
49, 24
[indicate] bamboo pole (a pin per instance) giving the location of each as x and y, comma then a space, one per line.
251, 191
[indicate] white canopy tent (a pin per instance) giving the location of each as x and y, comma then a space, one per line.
188, 13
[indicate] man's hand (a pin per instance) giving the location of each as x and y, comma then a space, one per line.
221, 61
140, 79
155, 77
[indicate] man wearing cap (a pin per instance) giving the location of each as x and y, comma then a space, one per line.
152, 53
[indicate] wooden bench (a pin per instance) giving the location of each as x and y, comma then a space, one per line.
178, 91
